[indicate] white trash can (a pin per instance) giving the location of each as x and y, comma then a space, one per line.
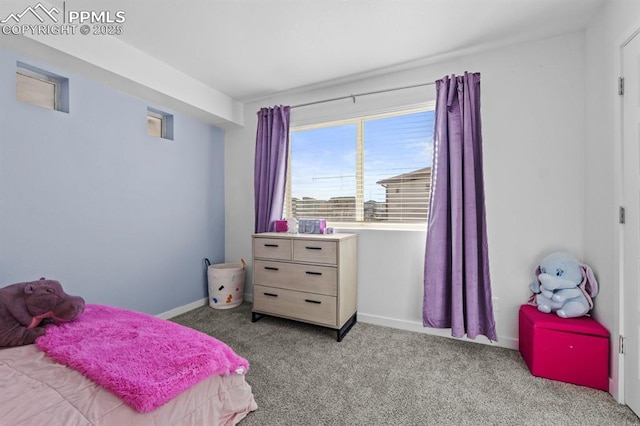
226, 284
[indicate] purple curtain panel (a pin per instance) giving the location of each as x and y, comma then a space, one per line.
272, 150
457, 286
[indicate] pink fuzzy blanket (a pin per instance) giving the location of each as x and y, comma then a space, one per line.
144, 360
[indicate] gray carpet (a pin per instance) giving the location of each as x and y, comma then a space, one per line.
377, 375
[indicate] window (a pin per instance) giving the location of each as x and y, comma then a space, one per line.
41, 88
374, 169
159, 124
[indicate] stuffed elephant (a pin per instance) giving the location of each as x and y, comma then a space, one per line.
25, 306
564, 286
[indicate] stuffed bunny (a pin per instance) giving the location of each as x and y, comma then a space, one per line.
564, 286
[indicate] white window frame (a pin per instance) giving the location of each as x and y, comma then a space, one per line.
59, 85
359, 121
166, 123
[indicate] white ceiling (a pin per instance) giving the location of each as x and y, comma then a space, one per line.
249, 49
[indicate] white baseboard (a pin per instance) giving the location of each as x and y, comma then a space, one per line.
504, 342
182, 309
193, 305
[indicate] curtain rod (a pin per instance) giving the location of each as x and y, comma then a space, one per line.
361, 94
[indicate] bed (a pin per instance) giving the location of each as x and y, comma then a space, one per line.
49, 383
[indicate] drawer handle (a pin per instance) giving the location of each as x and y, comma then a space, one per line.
317, 302
313, 248
271, 268
313, 273
271, 245
271, 294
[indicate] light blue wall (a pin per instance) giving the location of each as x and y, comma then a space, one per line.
88, 198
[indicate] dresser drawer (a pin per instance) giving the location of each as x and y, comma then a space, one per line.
307, 278
316, 308
272, 248
315, 251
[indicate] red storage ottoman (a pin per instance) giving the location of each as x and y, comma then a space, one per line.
572, 350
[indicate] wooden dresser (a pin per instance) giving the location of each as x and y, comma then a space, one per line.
306, 277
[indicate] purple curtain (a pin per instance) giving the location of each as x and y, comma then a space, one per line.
272, 150
457, 287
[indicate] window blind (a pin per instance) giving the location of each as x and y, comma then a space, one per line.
35, 91
370, 169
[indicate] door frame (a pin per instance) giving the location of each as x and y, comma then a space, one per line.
617, 381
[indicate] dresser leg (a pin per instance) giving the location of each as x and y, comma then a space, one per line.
255, 316
347, 326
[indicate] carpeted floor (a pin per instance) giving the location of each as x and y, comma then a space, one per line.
300, 375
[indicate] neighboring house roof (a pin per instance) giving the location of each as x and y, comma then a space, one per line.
414, 175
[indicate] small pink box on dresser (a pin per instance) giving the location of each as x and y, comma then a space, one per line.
572, 350
281, 226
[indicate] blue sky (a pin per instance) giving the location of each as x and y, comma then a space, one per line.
323, 160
